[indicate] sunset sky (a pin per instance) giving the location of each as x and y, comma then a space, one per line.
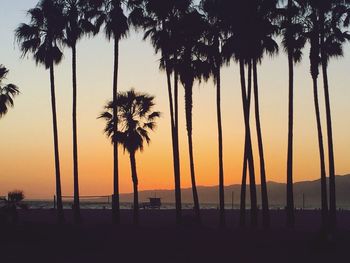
26, 145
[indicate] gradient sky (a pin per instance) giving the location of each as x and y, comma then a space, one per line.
26, 145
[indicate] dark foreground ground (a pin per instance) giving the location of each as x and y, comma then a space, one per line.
36, 238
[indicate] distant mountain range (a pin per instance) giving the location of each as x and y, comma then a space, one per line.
276, 192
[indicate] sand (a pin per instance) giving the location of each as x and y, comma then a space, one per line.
36, 238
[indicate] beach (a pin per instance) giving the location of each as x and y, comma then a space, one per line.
37, 238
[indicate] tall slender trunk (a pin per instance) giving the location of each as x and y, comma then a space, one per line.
242, 212
175, 155
332, 188
188, 106
177, 151
220, 148
314, 69
135, 185
321, 152
60, 215
245, 155
253, 199
290, 194
264, 197
176, 104
115, 198
76, 207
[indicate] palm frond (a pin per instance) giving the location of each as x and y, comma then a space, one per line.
3, 72
7, 93
43, 33
135, 119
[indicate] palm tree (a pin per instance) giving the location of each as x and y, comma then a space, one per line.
77, 25
248, 150
111, 14
215, 36
135, 119
41, 38
313, 33
246, 158
191, 65
237, 46
332, 38
7, 92
158, 20
293, 43
265, 29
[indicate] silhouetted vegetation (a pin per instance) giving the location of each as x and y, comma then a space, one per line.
195, 40
159, 21
41, 38
15, 196
7, 92
77, 16
9, 205
110, 15
135, 119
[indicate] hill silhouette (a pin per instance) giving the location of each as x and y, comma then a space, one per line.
276, 192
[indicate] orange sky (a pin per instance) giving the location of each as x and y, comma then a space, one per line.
26, 147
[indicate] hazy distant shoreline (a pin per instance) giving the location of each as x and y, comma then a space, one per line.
306, 196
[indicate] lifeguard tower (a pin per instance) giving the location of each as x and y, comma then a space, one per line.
154, 203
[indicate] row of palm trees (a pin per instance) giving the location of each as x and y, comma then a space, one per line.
195, 40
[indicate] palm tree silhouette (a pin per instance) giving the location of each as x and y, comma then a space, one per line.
214, 38
332, 38
136, 119
191, 65
77, 25
264, 43
41, 38
249, 159
313, 35
158, 20
237, 46
246, 158
293, 43
110, 13
7, 92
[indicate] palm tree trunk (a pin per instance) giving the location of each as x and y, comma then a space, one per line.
135, 184
176, 104
332, 189
221, 161
175, 152
245, 155
322, 161
264, 197
115, 198
253, 199
60, 215
314, 64
290, 195
76, 207
188, 106
242, 212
